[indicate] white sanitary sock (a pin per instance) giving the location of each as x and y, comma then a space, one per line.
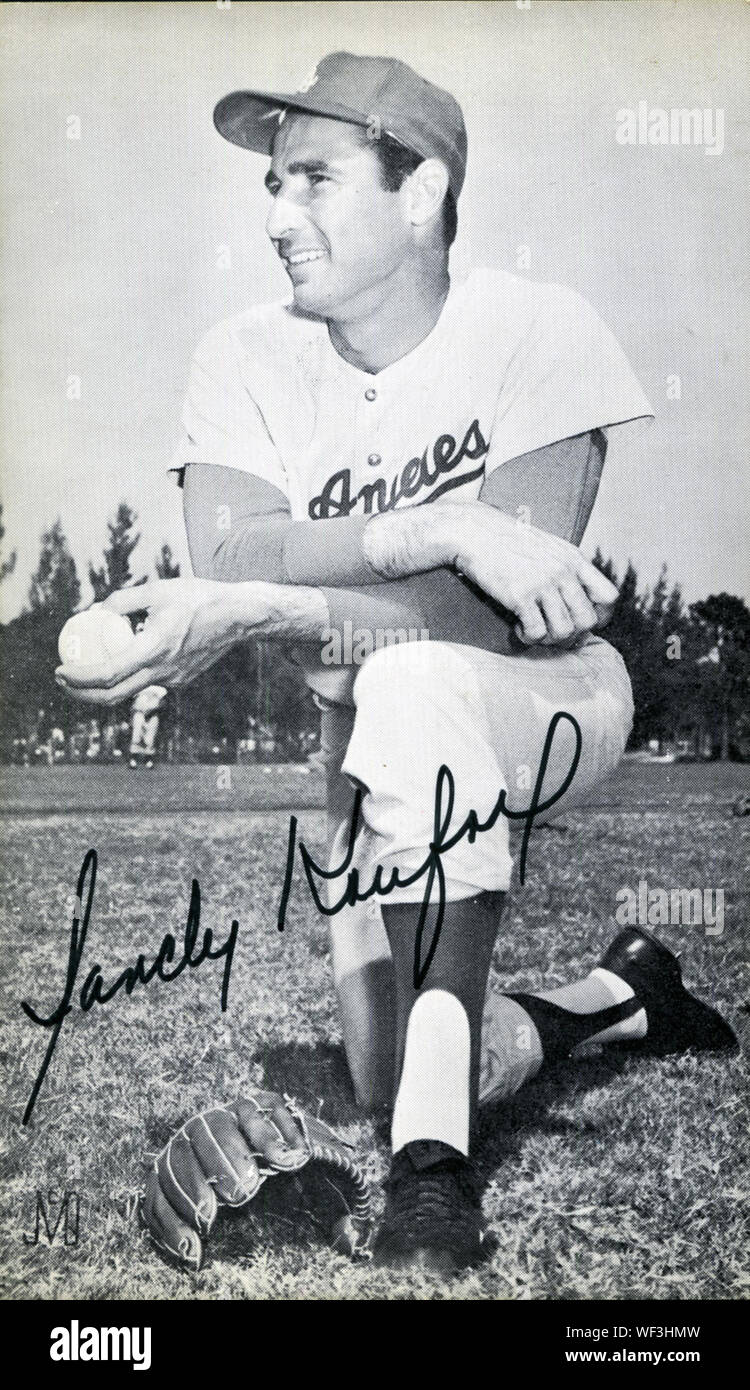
634, 1027
433, 1094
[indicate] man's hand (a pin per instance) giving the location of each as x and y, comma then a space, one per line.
555, 593
191, 623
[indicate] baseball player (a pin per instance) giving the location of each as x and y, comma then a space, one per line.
394, 450
145, 725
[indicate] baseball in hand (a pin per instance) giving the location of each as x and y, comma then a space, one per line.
94, 636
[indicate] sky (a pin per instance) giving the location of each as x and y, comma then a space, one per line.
121, 247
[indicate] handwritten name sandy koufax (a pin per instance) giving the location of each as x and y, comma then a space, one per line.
93, 990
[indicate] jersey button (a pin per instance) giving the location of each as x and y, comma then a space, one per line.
371, 394
374, 460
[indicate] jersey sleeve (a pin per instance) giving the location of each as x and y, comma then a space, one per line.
553, 489
221, 421
568, 376
260, 539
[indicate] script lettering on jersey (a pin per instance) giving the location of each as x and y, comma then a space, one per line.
335, 498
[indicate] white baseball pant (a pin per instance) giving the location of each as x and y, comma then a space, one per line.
419, 705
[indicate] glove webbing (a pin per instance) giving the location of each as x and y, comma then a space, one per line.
325, 1153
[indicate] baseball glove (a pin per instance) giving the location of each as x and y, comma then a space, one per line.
222, 1157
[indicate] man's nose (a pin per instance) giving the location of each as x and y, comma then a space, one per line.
284, 217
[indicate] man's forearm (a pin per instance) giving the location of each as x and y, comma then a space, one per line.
553, 488
240, 528
392, 545
399, 543
287, 611
437, 604
399, 569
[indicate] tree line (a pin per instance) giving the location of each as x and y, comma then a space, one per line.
689, 663
253, 683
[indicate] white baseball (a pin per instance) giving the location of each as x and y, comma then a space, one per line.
94, 636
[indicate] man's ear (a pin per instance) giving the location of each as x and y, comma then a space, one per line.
425, 191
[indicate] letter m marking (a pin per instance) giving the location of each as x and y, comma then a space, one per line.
68, 1216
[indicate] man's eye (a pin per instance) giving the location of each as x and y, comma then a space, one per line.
318, 178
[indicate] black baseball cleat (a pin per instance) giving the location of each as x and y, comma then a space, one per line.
433, 1215
676, 1020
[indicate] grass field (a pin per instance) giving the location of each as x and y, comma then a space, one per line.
609, 1177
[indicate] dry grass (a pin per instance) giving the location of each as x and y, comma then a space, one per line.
606, 1178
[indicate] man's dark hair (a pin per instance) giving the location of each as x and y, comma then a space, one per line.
397, 161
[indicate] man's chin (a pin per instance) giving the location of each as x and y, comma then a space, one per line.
309, 300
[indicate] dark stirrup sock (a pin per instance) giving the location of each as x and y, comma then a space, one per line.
561, 1031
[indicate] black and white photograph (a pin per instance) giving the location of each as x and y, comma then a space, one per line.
375, 652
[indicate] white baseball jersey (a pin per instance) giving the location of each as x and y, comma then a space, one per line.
150, 700
511, 366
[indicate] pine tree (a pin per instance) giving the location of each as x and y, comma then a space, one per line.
606, 566
675, 621
657, 602
28, 654
54, 586
115, 572
665, 669
166, 566
627, 627
723, 626
628, 632
6, 566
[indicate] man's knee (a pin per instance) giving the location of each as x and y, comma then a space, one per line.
399, 697
394, 670
418, 700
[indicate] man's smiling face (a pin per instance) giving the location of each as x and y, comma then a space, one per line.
340, 233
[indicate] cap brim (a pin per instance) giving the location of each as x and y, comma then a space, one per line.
251, 119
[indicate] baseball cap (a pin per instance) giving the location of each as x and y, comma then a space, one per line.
384, 95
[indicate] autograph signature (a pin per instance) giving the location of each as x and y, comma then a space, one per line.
432, 866
93, 990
